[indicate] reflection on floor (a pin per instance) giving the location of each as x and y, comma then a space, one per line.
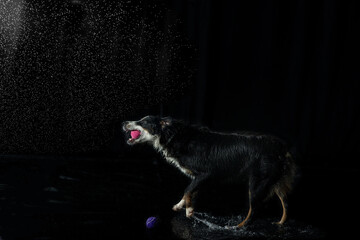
83, 198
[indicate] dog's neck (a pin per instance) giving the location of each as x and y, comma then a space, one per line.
161, 147
170, 159
156, 144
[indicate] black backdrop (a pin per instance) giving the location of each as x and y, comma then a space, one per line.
288, 68
285, 67
71, 71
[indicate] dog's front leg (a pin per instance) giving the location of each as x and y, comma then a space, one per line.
179, 205
187, 198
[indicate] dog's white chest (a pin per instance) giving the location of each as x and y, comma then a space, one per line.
172, 160
175, 162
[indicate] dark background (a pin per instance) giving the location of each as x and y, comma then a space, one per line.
72, 71
287, 68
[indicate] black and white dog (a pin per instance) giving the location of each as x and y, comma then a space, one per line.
264, 161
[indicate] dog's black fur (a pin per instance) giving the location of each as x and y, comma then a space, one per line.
264, 162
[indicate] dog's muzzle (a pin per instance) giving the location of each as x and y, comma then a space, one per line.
133, 133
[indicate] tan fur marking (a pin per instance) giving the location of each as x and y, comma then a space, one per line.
284, 214
187, 198
249, 213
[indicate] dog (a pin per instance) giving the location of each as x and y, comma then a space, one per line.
265, 162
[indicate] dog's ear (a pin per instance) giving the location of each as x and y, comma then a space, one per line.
166, 121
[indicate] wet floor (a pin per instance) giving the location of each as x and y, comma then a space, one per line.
99, 198
206, 226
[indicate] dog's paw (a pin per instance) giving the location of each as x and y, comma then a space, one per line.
277, 223
189, 212
179, 205
176, 208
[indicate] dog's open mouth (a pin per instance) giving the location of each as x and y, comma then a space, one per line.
135, 134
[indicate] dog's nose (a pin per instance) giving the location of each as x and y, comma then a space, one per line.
124, 125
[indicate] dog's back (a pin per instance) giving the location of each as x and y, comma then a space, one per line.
228, 155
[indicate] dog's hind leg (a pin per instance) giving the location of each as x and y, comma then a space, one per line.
258, 188
249, 213
283, 204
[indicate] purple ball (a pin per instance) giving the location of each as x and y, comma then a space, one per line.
151, 222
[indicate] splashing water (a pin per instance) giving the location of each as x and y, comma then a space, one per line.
68, 69
206, 226
209, 224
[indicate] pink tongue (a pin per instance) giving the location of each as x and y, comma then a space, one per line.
135, 134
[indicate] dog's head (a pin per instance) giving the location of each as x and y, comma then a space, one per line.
146, 129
